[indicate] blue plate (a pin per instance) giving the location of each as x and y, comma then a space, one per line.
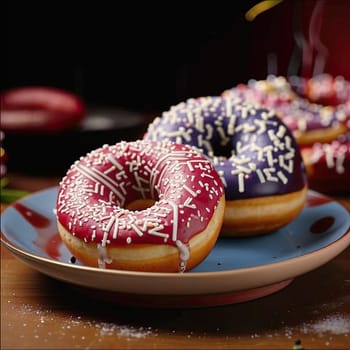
237, 269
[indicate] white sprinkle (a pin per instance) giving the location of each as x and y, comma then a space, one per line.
241, 182
137, 230
260, 175
282, 177
194, 194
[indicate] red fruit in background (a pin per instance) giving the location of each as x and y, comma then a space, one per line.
40, 109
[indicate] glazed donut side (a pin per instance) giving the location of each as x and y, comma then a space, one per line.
254, 153
248, 217
103, 224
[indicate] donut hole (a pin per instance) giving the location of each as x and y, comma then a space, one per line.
140, 204
222, 151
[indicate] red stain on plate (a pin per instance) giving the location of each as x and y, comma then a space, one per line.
46, 240
35, 219
52, 246
322, 225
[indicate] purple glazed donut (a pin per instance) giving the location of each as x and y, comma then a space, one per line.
252, 150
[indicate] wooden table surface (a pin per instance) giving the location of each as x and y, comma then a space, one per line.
38, 312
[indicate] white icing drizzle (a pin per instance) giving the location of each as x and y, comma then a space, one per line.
103, 258
184, 255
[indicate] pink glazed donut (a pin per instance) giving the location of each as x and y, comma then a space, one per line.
142, 206
254, 153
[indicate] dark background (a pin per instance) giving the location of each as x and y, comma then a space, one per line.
131, 61
146, 57
135, 55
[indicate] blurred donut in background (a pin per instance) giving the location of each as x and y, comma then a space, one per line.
40, 109
328, 165
323, 89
